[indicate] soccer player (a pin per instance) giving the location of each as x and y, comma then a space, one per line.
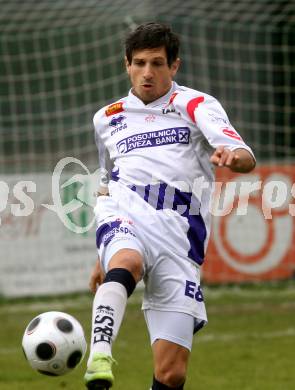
162, 141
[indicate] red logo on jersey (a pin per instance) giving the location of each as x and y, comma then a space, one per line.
192, 105
172, 98
114, 108
231, 133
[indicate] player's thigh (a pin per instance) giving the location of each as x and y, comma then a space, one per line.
119, 246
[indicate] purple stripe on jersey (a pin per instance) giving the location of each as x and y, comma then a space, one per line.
105, 229
197, 231
146, 192
151, 192
115, 174
161, 196
196, 235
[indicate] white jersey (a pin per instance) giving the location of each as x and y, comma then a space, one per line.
162, 149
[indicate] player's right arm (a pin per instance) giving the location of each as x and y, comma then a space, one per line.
97, 274
104, 161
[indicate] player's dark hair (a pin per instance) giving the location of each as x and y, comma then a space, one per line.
150, 36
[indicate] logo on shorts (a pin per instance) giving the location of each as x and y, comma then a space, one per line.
194, 291
109, 230
125, 220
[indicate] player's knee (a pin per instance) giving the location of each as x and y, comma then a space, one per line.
130, 260
122, 276
171, 376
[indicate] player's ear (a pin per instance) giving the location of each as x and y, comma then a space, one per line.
127, 65
174, 67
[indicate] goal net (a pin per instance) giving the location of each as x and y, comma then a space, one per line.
60, 61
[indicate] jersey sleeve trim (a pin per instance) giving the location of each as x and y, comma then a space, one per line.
242, 146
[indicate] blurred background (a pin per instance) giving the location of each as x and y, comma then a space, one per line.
60, 61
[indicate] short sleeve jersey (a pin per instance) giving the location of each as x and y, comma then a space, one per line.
169, 140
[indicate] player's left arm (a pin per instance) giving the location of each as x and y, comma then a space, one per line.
237, 160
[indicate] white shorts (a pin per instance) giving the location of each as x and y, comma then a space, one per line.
172, 281
178, 328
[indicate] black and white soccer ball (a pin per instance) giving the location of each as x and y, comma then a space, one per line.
54, 343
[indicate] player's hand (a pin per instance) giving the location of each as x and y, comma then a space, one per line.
238, 160
97, 277
223, 157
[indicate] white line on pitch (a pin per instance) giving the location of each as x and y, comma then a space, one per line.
209, 337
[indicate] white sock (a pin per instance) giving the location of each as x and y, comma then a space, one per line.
108, 309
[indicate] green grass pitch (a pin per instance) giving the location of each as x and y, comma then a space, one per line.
249, 343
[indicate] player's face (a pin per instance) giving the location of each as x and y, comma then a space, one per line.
150, 75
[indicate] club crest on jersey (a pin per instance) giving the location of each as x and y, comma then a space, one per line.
150, 118
114, 108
